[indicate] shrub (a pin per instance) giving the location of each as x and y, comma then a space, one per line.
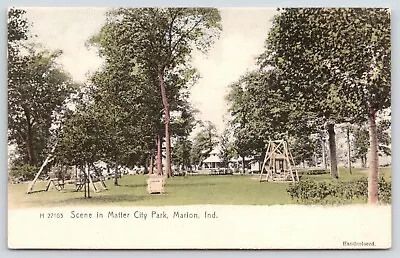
313, 172
312, 192
385, 191
24, 172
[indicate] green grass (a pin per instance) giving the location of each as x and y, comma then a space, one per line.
238, 190
344, 174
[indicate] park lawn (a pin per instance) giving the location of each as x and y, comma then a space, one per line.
179, 191
234, 189
357, 173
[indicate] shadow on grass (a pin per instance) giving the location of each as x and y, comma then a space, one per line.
37, 191
102, 199
168, 184
134, 185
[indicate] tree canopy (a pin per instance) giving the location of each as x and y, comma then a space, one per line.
159, 42
333, 66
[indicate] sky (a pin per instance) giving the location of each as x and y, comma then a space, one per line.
231, 56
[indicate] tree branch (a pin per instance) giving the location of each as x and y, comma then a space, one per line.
170, 30
170, 57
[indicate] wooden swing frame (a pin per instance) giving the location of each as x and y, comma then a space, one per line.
55, 181
278, 147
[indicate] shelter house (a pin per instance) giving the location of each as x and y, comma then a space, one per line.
213, 161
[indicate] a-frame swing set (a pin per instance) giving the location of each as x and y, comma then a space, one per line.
81, 179
278, 163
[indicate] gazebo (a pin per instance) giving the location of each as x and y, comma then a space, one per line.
212, 162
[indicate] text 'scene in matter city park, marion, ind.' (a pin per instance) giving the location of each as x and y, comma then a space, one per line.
131, 215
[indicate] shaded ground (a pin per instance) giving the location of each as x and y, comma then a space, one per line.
238, 190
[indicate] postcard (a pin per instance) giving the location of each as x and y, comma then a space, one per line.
199, 128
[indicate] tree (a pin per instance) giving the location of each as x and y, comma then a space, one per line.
161, 41
253, 124
305, 149
294, 48
361, 142
182, 124
338, 79
181, 153
131, 102
17, 34
227, 150
260, 112
37, 93
82, 139
131, 111
367, 76
183, 121
384, 135
347, 128
204, 142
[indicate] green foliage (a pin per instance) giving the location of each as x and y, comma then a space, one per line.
147, 71
37, 93
158, 42
17, 31
361, 142
313, 172
385, 191
254, 123
320, 77
384, 136
82, 138
181, 152
130, 110
161, 37
261, 112
322, 69
183, 121
203, 143
305, 148
339, 192
362, 137
227, 149
25, 172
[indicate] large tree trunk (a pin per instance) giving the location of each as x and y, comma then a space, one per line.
167, 123
151, 163
85, 184
88, 181
29, 149
373, 161
243, 167
116, 176
159, 156
146, 166
332, 151
348, 149
29, 141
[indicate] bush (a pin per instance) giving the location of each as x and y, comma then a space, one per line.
312, 192
385, 191
23, 172
314, 172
